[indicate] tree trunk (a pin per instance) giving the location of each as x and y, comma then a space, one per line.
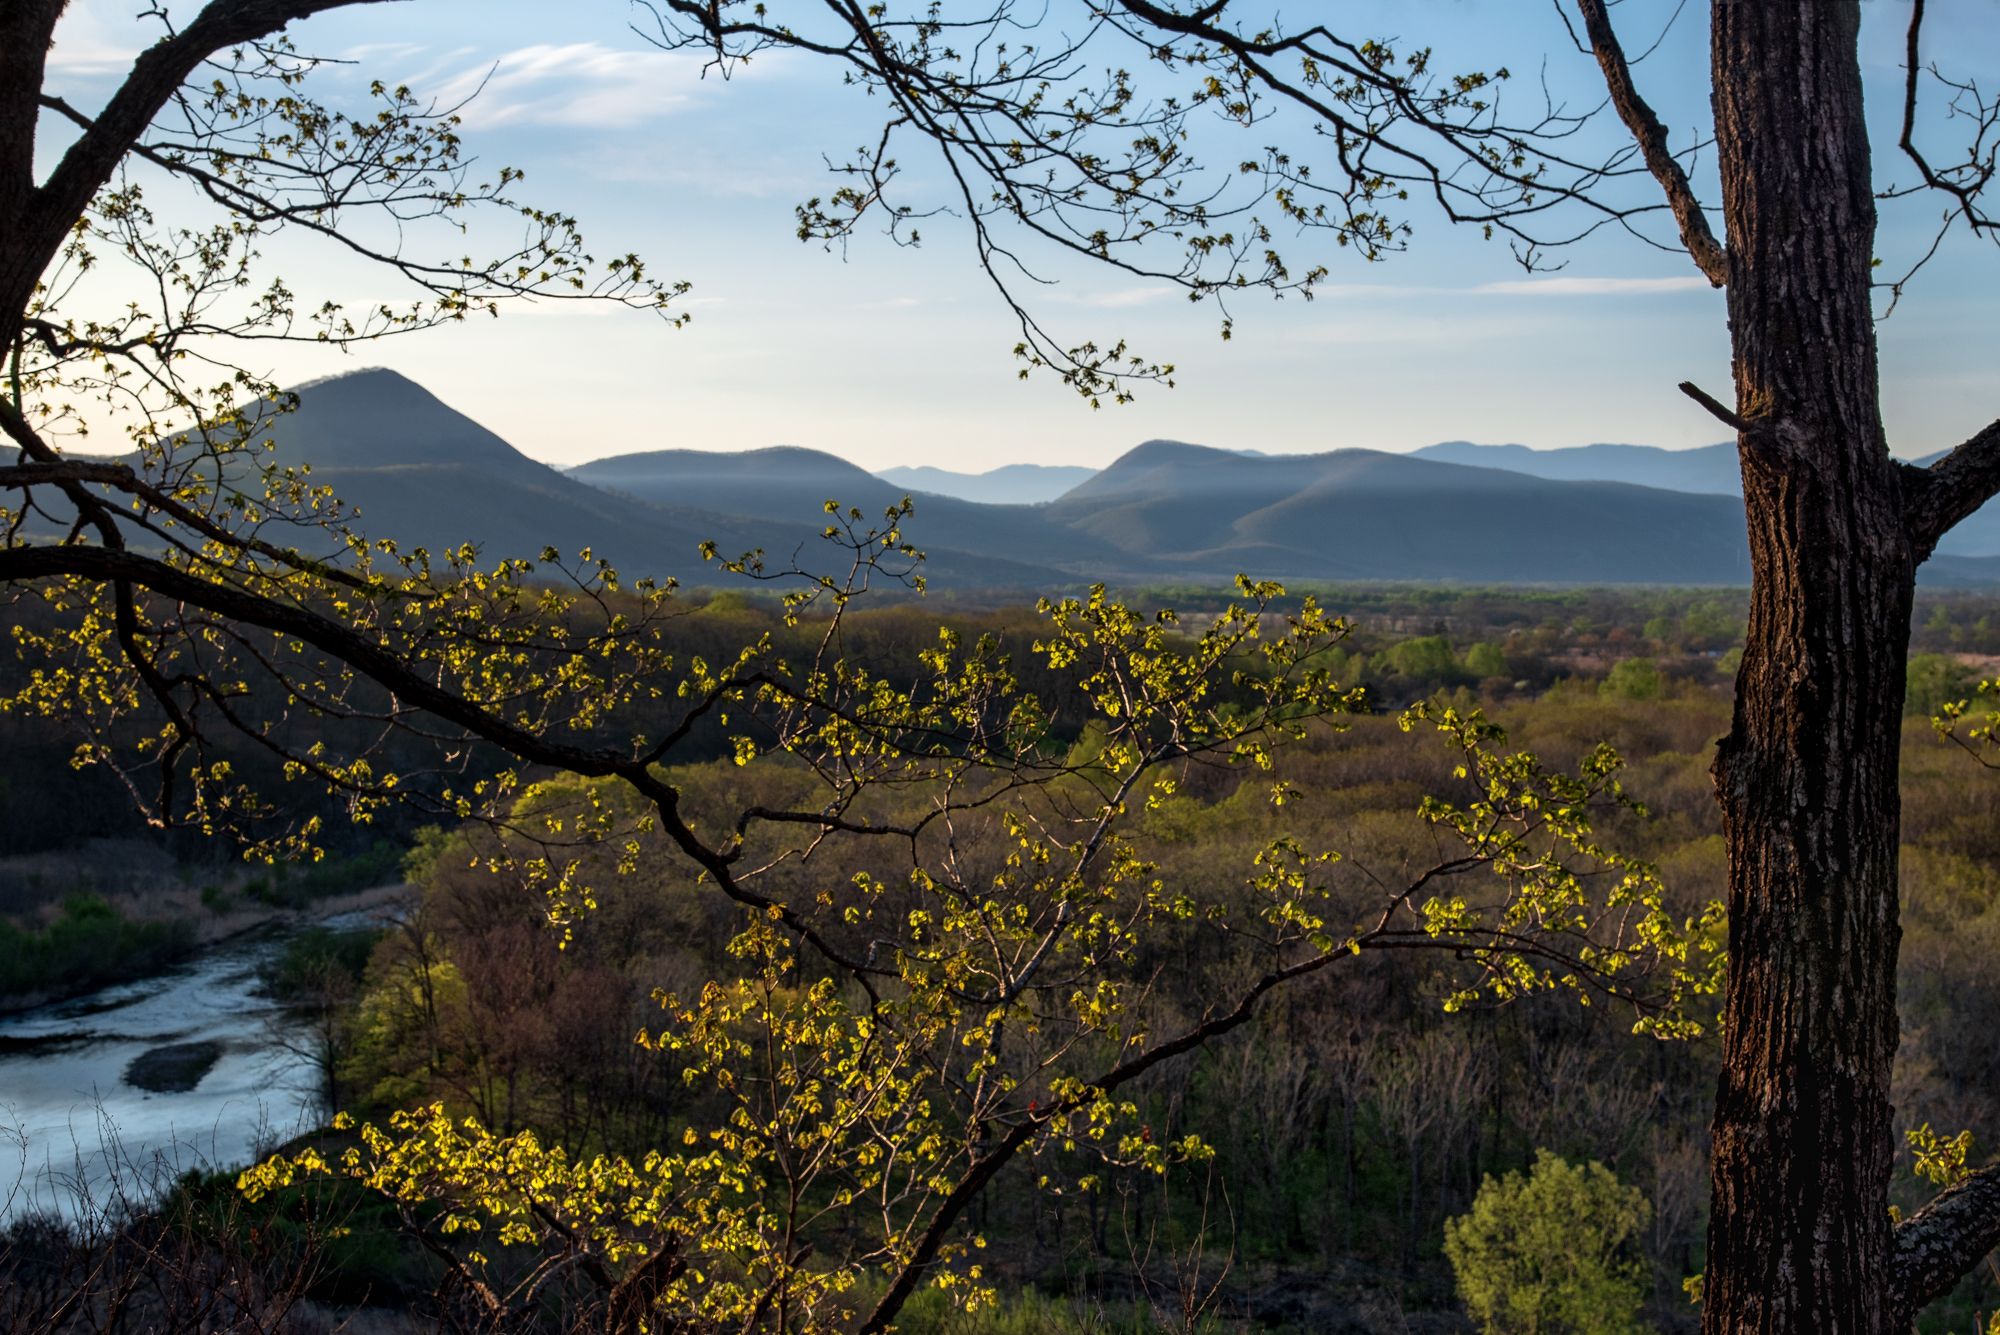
1799, 1239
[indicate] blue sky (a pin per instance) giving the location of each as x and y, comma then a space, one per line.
891, 356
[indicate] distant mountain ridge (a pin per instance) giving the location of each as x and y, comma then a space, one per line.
1010, 484
426, 474
1365, 514
416, 470
1176, 511
1708, 469
779, 495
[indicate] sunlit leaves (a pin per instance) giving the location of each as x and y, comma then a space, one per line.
1568, 911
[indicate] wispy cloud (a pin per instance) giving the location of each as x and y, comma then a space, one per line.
1121, 300
583, 84
1591, 287
89, 42
368, 51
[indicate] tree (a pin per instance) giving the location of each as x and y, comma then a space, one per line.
1042, 148
963, 994
1551, 1252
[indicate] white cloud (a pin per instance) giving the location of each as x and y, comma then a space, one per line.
1121, 300
583, 84
89, 41
368, 51
1591, 287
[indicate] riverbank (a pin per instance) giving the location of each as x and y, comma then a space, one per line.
93, 941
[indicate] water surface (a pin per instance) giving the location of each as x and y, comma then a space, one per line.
75, 1136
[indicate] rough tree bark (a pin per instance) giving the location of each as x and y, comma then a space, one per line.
1800, 1238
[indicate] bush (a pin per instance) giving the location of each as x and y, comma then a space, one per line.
1485, 660
1935, 680
1551, 1252
1634, 679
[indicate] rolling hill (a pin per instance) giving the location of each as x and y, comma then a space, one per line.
417, 470
1167, 510
779, 494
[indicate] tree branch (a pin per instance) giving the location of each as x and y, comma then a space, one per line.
25, 28
1645, 126
1964, 182
91, 159
1936, 498
1941, 1243
1716, 408
383, 665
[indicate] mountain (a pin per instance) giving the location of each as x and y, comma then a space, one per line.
771, 481
416, 470
1945, 571
1012, 484
1363, 514
419, 471
1709, 469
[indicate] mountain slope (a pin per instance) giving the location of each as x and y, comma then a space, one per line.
417, 471
414, 469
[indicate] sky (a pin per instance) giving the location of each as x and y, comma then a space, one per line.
887, 355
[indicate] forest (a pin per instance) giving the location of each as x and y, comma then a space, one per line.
1324, 1154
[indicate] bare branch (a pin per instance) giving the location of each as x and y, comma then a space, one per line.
1638, 116
91, 160
1715, 406
1964, 182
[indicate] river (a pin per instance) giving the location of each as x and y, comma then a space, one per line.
75, 1136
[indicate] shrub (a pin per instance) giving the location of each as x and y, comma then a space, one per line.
1551, 1252
1634, 679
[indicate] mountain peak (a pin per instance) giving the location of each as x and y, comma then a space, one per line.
1171, 451
378, 418
361, 377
